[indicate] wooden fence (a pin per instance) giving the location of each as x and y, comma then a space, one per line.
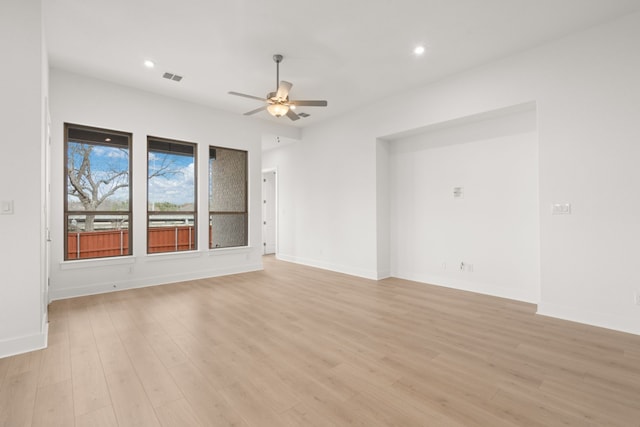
170, 239
98, 244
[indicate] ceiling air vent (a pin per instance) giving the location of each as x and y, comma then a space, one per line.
171, 76
303, 115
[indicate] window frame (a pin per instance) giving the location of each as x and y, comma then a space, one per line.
211, 213
65, 177
150, 213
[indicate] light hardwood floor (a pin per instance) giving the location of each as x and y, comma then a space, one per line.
296, 346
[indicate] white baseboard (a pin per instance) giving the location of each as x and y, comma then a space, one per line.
101, 288
367, 274
385, 274
469, 286
602, 320
24, 344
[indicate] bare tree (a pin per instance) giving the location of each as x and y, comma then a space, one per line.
93, 187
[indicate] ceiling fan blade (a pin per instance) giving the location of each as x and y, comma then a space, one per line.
257, 110
317, 103
293, 116
247, 96
283, 90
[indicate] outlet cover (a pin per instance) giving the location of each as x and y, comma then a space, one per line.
6, 207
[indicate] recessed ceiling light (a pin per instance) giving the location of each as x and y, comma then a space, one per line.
419, 50
149, 63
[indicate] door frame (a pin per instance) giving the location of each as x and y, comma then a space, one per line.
276, 197
46, 211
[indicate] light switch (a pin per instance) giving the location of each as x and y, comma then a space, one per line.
6, 207
561, 209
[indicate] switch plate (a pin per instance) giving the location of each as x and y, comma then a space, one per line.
6, 207
561, 209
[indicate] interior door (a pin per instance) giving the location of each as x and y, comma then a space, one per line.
269, 209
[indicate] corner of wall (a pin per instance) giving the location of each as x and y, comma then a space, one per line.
601, 320
383, 210
25, 344
338, 268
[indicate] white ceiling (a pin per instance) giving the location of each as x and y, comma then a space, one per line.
349, 52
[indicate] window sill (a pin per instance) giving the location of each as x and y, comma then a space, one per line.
163, 256
236, 249
96, 262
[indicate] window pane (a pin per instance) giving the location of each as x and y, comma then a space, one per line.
171, 199
171, 185
97, 192
227, 230
227, 180
228, 225
97, 236
97, 177
171, 233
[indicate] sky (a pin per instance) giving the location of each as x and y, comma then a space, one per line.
175, 187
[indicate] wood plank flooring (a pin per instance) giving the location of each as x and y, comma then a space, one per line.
297, 346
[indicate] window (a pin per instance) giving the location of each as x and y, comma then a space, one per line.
97, 208
227, 198
171, 196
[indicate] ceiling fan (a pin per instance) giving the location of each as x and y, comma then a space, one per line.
278, 103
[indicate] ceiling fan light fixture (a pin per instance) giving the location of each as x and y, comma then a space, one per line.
278, 110
278, 103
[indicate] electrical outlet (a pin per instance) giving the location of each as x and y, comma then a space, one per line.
6, 207
462, 266
637, 298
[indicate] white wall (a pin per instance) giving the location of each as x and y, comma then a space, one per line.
586, 90
23, 89
485, 241
86, 101
327, 199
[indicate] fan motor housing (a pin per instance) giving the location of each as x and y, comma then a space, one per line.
272, 98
